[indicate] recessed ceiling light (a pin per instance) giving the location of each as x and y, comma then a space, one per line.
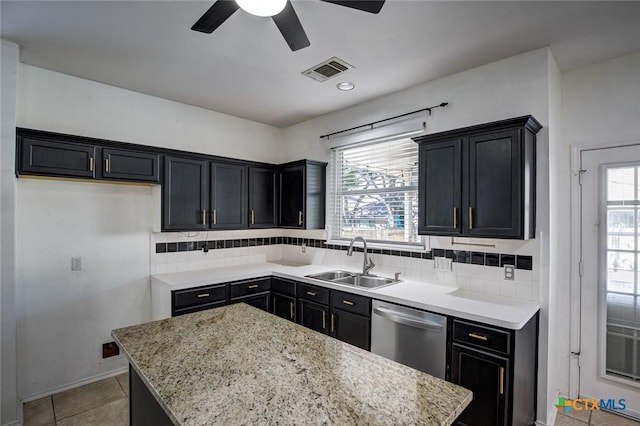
345, 86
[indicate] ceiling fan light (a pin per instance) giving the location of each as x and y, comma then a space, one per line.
262, 7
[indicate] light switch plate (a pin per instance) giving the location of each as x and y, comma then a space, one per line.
442, 264
76, 263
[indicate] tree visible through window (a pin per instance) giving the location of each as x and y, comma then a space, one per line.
375, 192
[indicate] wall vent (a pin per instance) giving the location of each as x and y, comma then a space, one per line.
327, 69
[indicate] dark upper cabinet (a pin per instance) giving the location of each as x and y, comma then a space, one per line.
185, 194
302, 195
479, 181
128, 165
440, 187
228, 196
263, 188
54, 158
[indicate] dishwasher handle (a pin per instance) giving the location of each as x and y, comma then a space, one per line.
409, 320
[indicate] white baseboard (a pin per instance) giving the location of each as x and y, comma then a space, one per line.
75, 384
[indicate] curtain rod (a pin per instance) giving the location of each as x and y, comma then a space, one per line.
443, 104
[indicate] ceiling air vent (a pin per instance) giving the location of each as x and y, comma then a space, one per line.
327, 69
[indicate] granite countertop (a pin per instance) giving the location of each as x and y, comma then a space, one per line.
239, 365
499, 311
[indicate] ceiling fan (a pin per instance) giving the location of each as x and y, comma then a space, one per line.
281, 11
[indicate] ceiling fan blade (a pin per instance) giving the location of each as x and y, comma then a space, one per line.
364, 5
215, 16
291, 28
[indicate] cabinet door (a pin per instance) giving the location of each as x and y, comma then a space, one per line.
487, 377
283, 306
46, 157
313, 316
260, 301
440, 191
494, 207
228, 196
262, 198
130, 165
351, 328
292, 191
184, 194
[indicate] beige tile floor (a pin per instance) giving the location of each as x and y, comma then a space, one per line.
594, 418
103, 403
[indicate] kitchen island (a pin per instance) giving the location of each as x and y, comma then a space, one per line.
239, 365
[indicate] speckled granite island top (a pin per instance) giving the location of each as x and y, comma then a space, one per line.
239, 365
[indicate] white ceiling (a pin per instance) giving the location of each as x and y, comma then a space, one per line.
246, 69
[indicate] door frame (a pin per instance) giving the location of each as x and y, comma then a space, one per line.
576, 259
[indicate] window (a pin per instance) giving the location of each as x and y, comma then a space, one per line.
622, 287
373, 192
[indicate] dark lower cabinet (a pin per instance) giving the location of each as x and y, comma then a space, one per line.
198, 299
260, 301
485, 375
53, 158
144, 409
351, 328
185, 194
313, 315
283, 306
119, 164
499, 366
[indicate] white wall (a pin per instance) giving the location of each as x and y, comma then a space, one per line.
57, 102
508, 88
600, 106
8, 366
63, 315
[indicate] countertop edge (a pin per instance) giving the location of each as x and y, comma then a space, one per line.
252, 271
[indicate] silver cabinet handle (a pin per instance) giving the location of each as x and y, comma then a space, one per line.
204, 217
455, 218
300, 218
106, 165
407, 319
470, 217
90, 164
253, 217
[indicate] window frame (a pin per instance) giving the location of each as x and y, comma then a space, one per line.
334, 194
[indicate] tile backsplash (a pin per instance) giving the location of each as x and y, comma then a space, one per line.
473, 268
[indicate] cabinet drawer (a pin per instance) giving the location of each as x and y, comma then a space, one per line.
53, 158
283, 286
483, 337
313, 293
197, 308
351, 302
199, 296
243, 288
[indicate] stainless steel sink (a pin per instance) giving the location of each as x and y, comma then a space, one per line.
366, 281
331, 275
353, 279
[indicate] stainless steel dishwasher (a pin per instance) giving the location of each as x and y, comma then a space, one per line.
409, 336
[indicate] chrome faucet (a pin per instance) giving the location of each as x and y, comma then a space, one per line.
366, 266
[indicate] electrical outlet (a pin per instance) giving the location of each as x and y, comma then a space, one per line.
442, 264
304, 247
76, 263
509, 272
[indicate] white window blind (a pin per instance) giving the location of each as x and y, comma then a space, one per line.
373, 192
